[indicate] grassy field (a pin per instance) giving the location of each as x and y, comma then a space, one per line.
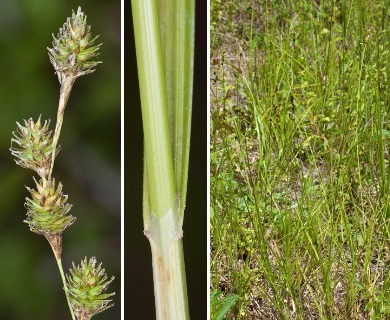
300, 177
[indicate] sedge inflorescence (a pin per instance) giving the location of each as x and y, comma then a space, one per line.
47, 209
73, 49
34, 146
87, 284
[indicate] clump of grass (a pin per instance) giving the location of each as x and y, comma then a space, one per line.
299, 162
35, 147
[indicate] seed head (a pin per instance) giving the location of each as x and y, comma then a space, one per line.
34, 146
87, 284
47, 210
73, 50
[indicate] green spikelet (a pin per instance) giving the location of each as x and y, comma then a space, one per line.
34, 146
73, 50
47, 210
86, 285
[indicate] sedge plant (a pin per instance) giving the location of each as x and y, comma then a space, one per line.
36, 147
164, 39
300, 159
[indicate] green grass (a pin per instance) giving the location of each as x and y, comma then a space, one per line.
299, 158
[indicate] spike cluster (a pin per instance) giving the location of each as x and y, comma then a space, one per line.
47, 210
87, 285
73, 50
34, 146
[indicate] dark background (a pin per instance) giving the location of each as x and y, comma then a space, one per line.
139, 296
88, 164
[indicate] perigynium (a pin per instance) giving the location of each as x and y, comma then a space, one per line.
35, 147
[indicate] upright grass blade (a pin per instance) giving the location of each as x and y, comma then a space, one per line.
221, 306
177, 39
158, 153
164, 36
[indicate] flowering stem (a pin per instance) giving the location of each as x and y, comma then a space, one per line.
59, 263
47, 211
66, 89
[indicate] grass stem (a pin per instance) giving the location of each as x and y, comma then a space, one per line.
60, 268
162, 198
66, 89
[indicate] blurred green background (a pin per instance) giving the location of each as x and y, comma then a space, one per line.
88, 164
138, 276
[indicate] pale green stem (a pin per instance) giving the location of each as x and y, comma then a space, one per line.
59, 263
161, 209
56, 245
56, 242
66, 89
169, 272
